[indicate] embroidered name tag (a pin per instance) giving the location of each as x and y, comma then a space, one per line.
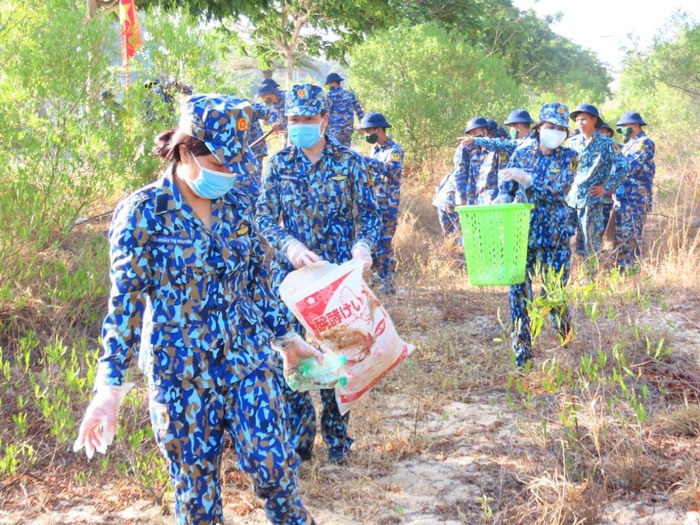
163, 239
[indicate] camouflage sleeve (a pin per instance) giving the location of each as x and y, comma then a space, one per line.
619, 171
274, 316
261, 112
495, 144
461, 173
131, 280
389, 169
357, 107
269, 209
368, 216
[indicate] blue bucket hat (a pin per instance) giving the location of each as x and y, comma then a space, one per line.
555, 113
519, 116
605, 125
304, 99
373, 120
590, 109
265, 89
223, 124
269, 82
631, 117
493, 125
476, 123
334, 77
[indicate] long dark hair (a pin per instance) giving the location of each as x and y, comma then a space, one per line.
167, 146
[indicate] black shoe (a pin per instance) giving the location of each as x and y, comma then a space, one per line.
338, 456
304, 455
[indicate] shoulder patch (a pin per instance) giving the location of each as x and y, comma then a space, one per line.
243, 228
395, 157
616, 148
641, 146
370, 178
502, 157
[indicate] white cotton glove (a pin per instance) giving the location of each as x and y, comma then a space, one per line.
99, 424
362, 255
299, 255
293, 349
516, 174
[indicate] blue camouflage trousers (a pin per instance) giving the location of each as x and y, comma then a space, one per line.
301, 418
629, 228
384, 260
449, 222
519, 295
590, 226
190, 424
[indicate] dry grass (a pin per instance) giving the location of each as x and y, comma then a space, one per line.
453, 433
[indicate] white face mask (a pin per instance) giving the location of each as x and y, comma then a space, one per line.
552, 138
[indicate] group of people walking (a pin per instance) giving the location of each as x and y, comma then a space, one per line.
195, 302
572, 178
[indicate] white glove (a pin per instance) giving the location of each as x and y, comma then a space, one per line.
293, 349
520, 176
362, 255
299, 255
501, 198
99, 424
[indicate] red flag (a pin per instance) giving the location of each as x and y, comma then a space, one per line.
129, 29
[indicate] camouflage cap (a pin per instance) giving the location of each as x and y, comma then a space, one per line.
304, 100
555, 113
223, 124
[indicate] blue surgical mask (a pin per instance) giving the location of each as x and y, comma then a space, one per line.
210, 184
304, 135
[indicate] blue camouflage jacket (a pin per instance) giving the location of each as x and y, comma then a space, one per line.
385, 165
277, 111
600, 163
471, 185
636, 188
341, 105
496, 153
553, 175
260, 112
211, 312
329, 206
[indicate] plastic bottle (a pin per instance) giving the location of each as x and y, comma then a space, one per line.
312, 375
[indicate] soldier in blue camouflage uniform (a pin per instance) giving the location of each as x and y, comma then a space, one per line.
342, 106
476, 181
190, 300
317, 202
274, 99
601, 169
606, 130
464, 168
542, 171
519, 123
634, 195
385, 164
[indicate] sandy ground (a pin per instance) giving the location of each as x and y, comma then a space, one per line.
467, 460
446, 460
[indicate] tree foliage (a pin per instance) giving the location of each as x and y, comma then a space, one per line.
536, 56
663, 82
289, 31
430, 85
209, 9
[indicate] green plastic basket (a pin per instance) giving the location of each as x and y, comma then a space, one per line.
495, 242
